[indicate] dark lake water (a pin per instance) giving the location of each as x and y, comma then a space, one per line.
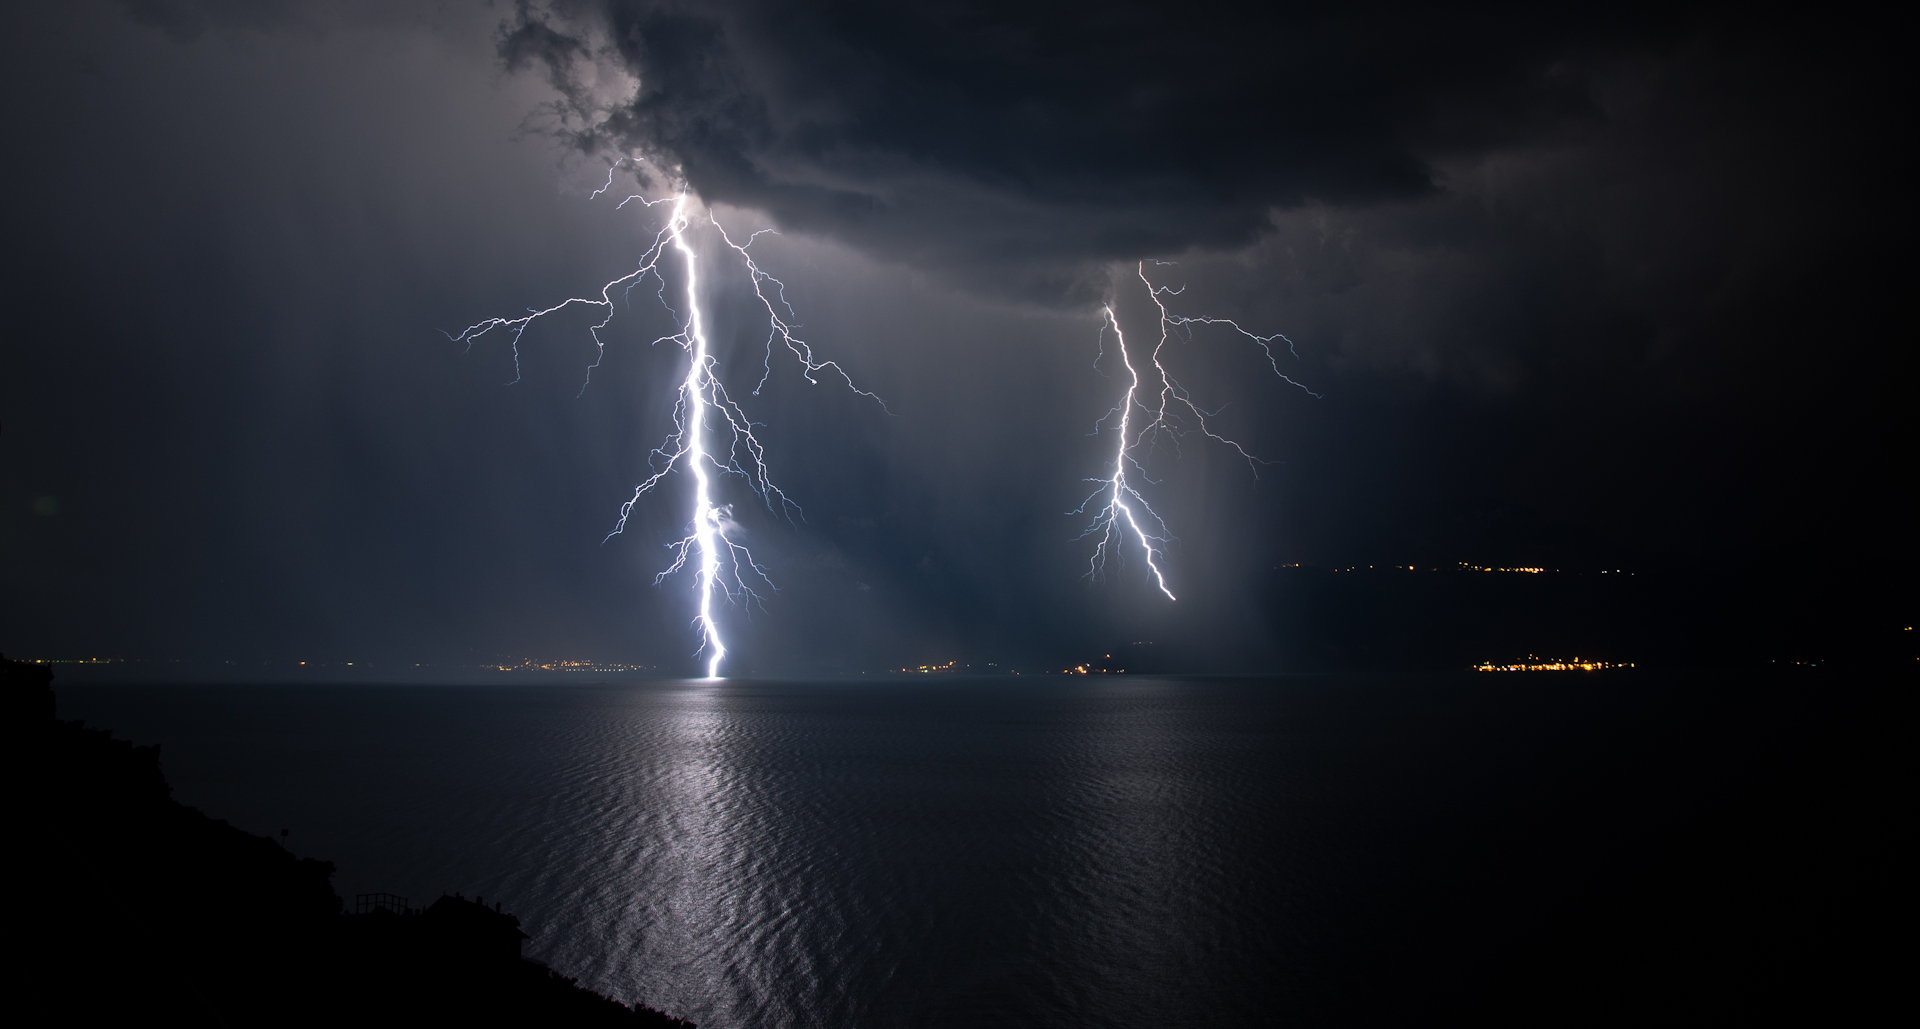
1111, 851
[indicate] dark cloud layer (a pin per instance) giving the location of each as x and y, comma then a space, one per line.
997, 136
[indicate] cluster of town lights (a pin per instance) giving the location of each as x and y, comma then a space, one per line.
1542, 664
531, 665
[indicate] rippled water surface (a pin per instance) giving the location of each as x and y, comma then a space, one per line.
1120, 851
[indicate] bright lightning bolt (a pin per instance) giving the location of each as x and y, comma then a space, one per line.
722, 566
1175, 415
1118, 489
694, 399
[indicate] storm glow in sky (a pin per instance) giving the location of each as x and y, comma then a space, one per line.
1594, 286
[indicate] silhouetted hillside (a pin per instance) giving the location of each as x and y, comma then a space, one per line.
134, 907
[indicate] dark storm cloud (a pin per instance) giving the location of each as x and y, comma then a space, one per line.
978, 136
1628, 275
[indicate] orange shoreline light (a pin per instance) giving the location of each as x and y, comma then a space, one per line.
1540, 664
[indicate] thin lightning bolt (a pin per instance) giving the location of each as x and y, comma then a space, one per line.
722, 566
781, 329
1117, 489
1175, 415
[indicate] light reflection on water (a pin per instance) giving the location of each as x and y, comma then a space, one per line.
1118, 852
762, 862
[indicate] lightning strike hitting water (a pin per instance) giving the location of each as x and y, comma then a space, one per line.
1175, 415
721, 565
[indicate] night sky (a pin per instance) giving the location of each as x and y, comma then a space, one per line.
1588, 286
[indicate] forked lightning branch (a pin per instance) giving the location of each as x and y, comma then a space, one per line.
712, 437
1142, 422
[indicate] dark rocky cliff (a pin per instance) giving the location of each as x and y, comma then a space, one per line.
133, 906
